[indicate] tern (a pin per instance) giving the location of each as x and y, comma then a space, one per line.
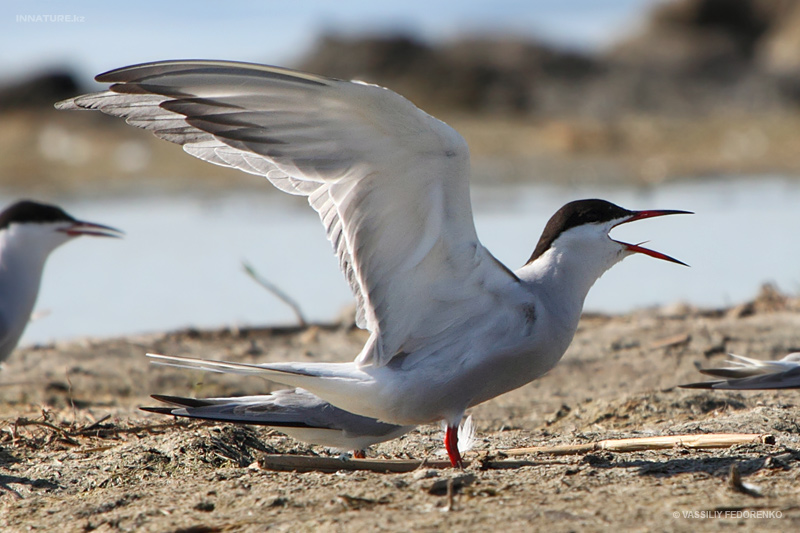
450, 325
295, 412
744, 373
29, 231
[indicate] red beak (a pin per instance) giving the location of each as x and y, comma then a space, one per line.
637, 248
92, 229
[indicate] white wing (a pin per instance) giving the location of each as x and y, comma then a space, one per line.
389, 181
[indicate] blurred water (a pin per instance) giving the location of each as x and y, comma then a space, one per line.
180, 263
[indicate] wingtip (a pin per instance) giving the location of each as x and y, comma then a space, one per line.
700, 385
66, 105
180, 401
157, 410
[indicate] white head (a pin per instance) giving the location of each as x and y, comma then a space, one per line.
36, 229
576, 249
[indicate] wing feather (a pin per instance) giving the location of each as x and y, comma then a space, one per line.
389, 182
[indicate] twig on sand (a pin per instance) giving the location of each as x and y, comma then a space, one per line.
21, 422
306, 463
95, 424
278, 293
69, 433
711, 440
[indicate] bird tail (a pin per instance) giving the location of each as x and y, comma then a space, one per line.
319, 378
231, 410
702, 385
208, 365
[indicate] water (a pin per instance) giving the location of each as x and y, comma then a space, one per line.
180, 263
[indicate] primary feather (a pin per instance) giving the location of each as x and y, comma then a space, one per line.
388, 180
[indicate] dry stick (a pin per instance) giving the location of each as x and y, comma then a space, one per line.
69, 394
64, 434
150, 428
305, 463
94, 424
82, 432
279, 294
711, 440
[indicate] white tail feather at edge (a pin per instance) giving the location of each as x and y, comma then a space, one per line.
466, 435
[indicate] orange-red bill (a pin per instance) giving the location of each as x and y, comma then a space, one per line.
638, 248
652, 253
92, 229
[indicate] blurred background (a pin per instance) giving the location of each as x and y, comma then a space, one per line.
674, 104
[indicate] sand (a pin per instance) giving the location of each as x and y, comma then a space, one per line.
76, 454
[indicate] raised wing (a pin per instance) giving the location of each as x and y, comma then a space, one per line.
389, 181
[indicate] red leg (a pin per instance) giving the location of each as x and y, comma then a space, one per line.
451, 444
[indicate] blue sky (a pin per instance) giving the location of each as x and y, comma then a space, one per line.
100, 35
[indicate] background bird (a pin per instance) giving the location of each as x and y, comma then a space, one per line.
744, 373
450, 325
29, 231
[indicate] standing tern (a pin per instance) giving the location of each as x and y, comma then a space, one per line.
744, 373
29, 231
295, 412
450, 325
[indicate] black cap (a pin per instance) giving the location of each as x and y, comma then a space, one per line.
577, 213
28, 211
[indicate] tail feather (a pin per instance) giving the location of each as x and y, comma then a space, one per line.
208, 365
158, 410
700, 385
341, 384
181, 401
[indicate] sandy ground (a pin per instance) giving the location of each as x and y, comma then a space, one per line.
77, 455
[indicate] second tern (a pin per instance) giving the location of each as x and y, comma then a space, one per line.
29, 232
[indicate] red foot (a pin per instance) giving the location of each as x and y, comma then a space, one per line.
359, 454
451, 445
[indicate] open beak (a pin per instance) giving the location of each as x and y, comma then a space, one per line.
638, 248
90, 228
